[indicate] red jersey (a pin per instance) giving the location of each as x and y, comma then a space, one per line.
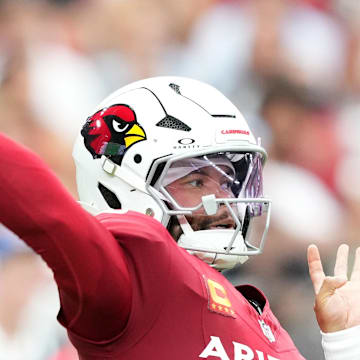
127, 290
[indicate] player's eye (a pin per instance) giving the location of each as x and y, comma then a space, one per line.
196, 183
117, 126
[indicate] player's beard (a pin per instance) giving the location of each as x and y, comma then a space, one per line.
198, 222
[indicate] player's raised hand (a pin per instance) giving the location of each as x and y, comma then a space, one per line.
337, 305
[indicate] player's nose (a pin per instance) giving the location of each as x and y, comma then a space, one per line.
228, 219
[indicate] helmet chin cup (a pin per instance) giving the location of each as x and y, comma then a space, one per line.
212, 247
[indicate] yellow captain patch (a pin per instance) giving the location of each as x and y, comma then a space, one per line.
218, 298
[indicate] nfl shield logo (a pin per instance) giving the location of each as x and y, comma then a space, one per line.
267, 331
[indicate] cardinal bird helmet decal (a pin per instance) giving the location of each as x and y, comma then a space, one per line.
111, 131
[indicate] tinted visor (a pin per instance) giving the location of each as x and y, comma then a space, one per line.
226, 175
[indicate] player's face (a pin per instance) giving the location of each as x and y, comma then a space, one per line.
189, 190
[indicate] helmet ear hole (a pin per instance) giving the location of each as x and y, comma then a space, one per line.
137, 158
110, 198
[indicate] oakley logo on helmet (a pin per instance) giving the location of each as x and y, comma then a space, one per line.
111, 132
186, 141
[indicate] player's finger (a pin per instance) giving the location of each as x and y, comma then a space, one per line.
315, 267
330, 284
355, 276
341, 264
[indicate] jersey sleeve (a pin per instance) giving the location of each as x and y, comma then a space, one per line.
88, 263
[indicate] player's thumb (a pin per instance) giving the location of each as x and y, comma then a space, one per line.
329, 286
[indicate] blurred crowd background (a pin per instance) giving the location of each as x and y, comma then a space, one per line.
291, 66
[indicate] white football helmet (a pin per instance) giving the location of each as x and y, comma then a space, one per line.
151, 140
